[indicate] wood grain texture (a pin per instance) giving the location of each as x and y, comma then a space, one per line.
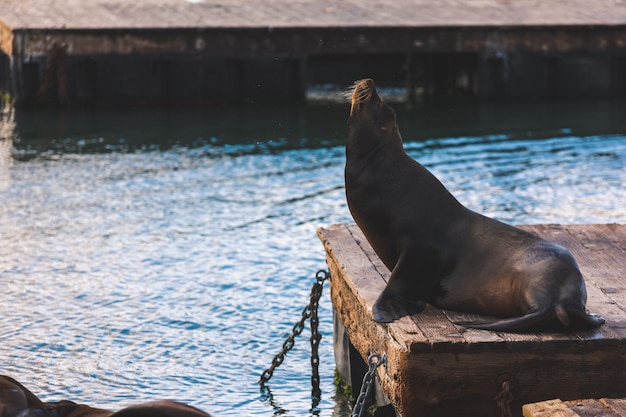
603, 407
550, 408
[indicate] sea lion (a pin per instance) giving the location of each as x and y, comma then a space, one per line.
442, 253
14, 397
17, 401
63, 408
161, 408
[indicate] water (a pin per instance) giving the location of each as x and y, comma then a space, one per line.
162, 253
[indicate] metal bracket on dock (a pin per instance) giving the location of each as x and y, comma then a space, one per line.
505, 397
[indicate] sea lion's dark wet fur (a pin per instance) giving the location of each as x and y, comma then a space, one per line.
442, 253
17, 401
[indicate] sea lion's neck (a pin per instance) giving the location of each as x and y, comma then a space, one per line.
364, 147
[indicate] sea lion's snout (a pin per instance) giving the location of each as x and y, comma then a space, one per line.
363, 91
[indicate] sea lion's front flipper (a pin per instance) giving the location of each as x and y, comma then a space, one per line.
390, 306
396, 299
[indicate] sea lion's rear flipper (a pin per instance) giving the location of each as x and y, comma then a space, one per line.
527, 322
540, 320
582, 320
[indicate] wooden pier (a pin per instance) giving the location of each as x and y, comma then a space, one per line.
603, 407
211, 51
436, 368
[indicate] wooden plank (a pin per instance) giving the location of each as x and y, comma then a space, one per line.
476, 339
615, 232
591, 408
364, 245
616, 404
364, 280
605, 407
441, 333
610, 262
594, 240
550, 408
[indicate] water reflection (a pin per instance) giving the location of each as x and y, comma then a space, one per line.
7, 131
237, 130
167, 253
253, 129
561, 179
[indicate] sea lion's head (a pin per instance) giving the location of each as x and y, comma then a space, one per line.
370, 117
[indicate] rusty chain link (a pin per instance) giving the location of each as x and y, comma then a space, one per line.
316, 337
505, 398
310, 311
374, 361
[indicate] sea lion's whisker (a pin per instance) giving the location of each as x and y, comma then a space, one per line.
347, 94
365, 95
358, 92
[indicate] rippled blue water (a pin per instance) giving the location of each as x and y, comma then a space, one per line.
167, 253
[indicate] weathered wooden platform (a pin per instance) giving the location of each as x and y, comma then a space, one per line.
603, 407
436, 368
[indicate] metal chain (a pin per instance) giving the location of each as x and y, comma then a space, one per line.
504, 399
316, 337
310, 311
374, 360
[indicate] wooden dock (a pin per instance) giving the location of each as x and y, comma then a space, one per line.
603, 407
436, 368
211, 51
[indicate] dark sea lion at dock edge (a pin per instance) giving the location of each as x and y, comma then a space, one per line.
442, 253
161, 408
14, 397
17, 401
